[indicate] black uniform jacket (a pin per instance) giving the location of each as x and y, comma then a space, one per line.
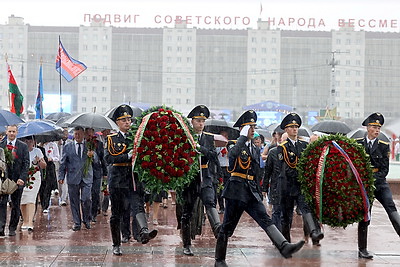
244, 166
379, 156
116, 154
272, 176
288, 155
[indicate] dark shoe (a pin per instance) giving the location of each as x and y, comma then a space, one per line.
87, 225
94, 220
220, 264
316, 243
76, 228
117, 250
11, 233
364, 254
187, 251
125, 239
316, 237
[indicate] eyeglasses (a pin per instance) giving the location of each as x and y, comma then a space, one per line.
125, 119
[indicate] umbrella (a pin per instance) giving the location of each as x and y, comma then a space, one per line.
220, 140
216, 126
57, 115
91, 120
136, 112
305, 132
9, 118
37, 127
331, 127
362, 132
264, 133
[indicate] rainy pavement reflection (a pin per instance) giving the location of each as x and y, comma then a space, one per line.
53, 243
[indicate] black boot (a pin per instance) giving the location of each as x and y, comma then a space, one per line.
220, 251
187, 242
144, 234
285, 248
315, 232
286, 231
213, 218
362, 241
395, 219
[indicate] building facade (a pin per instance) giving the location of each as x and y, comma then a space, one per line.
353, 72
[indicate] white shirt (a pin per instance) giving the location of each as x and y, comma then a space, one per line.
12, 142
51, 149
77, 147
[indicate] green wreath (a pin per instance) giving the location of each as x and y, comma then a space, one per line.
163, 150
329, 181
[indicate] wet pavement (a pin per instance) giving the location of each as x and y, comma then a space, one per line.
53, 243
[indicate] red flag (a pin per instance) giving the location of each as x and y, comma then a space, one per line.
68, 67
17, 99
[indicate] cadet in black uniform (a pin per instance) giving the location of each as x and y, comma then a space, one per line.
288, 155
202, 186
379, 153
121, 184
243, 193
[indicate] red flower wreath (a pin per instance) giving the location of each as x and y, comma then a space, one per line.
344, 200
164, 156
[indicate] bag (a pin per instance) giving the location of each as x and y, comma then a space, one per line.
8, 187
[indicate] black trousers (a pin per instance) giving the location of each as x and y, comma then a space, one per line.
234, 210
15, 209
287, 206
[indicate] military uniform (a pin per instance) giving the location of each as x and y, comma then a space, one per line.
288, 155
202, 186
242, 193
121, 185
379, 153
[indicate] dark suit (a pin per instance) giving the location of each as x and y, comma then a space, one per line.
202, 186
288, 155
121, 186
19, 170
79, 185
379, 155
99, 170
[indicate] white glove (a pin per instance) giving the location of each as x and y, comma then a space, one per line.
130, 153
245, 130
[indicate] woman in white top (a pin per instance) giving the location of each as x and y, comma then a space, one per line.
32, 184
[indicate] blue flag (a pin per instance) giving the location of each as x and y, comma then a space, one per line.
39, 97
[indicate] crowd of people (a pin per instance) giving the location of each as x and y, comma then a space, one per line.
88, 172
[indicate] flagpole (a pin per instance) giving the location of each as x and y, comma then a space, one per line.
41, 85
59, 54
8, 91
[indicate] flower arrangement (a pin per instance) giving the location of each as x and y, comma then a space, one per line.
104, 187
91, 143
30, 180
164, 150
336, 179
10, 154
220, 186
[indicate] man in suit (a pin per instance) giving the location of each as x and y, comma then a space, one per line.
379, 154
99, 171
124, 189
243, 192
288, 155
18, 172
202, 186
79, 183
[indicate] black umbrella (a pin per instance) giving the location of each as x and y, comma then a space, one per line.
216, 126
331, 127
91, 120
9, 118
57, 115
361, 133
304, 131
136, 112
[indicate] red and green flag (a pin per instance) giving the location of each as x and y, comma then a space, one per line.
16, 96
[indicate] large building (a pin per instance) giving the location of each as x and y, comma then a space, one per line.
352, 72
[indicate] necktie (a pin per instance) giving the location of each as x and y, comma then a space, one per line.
370, 145
10, 144
80, 150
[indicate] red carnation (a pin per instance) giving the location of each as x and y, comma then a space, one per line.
171, 134
173, 127
163, 124
154, 116
179, 173
161, 110
151, 145
164, 139
186, 168
140, 150
163, 131
179, 131
186, 146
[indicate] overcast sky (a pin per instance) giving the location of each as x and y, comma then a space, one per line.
71, 12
